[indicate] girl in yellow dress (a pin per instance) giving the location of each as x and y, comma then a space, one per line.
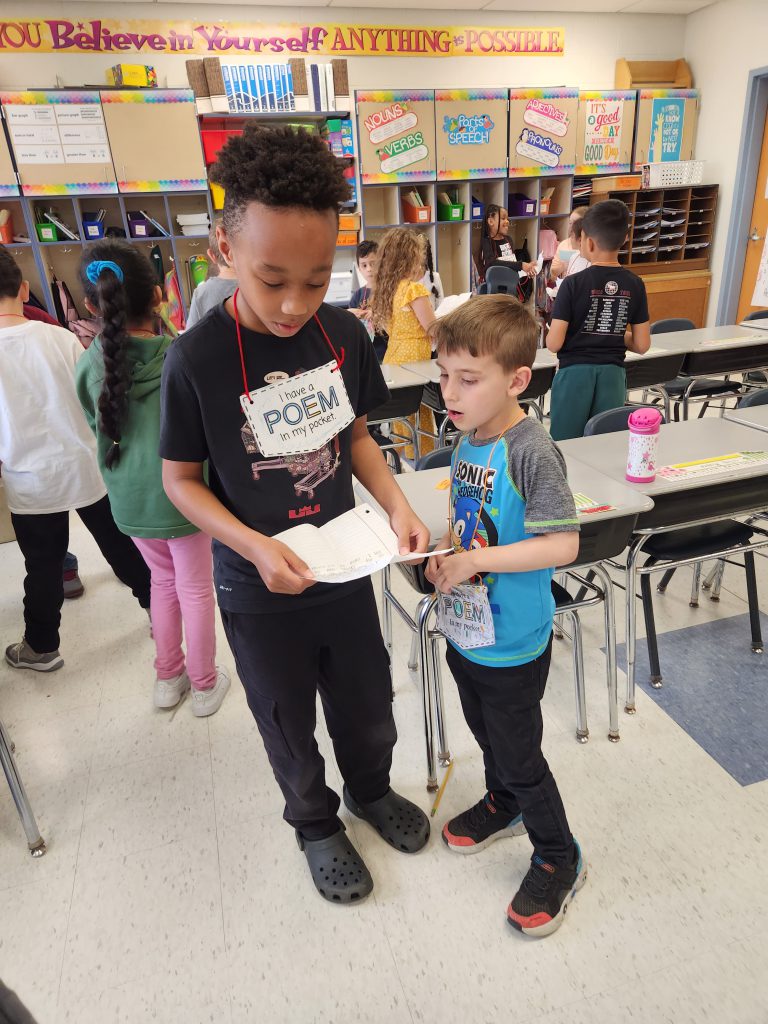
402, 307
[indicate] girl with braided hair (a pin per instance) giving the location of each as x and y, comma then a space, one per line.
118, 383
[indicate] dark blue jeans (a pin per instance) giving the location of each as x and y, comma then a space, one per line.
502, 707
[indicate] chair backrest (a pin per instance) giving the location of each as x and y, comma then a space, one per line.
438, 458
502, 281
613, 420
759, 397
757, 314
673, 323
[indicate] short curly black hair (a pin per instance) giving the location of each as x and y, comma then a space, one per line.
279, 167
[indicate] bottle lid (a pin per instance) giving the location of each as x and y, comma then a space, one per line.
645, 421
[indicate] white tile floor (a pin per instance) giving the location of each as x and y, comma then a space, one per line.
173, 891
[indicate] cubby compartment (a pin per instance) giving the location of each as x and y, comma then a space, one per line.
63, 261
522, 198
187, 249
457, 207
417, 203
25, 259
381, 206
147, 245
15, 227
555, 199
188, 215
64, 222
482, 194
453, 257
146, 216
98, 216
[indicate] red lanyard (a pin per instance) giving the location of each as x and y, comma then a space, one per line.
339, 361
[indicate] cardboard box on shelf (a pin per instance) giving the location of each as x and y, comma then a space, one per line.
142, 75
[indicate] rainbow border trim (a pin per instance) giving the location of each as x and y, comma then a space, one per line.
9, 190
609, 94
666, 94
150, 96
397, 176
472, 174
71, 188
561, 171
595, 170
165, 185
470, 94
543, 94
388, 96
29, 97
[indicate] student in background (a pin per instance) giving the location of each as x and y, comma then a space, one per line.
118, 383
431, 279
512, 520
496, 247
401, 306
49, 468
568, 259
213, 291
598, 314
292, 636
360, 304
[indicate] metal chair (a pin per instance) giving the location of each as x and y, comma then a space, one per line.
687, 546
502, 281
757, 314
754, 398
684, 390
35, 841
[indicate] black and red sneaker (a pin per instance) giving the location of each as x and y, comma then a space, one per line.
481, 825
541, 902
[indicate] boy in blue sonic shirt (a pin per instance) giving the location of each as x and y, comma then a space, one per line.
513, 519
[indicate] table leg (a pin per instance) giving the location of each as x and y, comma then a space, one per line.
386, 611
609, 609
422, 619
631, 612
443, 751
35, 841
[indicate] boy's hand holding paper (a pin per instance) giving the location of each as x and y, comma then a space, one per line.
353, 545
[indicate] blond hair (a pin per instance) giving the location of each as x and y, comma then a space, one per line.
490, 325
401, 252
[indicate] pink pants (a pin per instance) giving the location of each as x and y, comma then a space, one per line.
182, 589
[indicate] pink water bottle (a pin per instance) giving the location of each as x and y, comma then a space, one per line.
644, 427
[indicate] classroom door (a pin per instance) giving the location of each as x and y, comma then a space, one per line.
754, 280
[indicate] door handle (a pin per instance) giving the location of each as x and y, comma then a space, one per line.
754, 237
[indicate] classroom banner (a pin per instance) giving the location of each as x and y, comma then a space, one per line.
59, 35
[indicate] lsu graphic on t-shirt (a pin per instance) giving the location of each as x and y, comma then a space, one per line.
598, 305
521, 493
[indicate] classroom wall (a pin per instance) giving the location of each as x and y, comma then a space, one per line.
723, 43
593, 43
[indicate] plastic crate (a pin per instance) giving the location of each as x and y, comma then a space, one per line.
674, 172
452, 211
139, 227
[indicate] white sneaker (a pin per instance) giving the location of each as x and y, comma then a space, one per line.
168, 692
208, 702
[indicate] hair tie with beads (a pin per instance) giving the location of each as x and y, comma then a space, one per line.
96, 268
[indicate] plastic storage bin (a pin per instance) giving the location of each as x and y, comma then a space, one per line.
451, 211
478, 209
139, 227
416, 214
93, 228
213, 140
47, 232
519, 205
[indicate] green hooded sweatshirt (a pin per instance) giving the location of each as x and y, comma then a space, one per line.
135, 486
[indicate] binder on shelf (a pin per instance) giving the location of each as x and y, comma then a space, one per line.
246, 92
330, 93
198, 82
262, 87
286, 70
297, 73
270, 84
315, 78
253, 88
323, 87
229, 88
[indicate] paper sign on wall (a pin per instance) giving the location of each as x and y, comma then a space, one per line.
667, 129
542, 130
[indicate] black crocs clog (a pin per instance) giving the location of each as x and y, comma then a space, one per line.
398, 821
338, 870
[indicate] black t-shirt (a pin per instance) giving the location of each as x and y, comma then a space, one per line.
361, 299
599, 304
202, 420
498, 252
